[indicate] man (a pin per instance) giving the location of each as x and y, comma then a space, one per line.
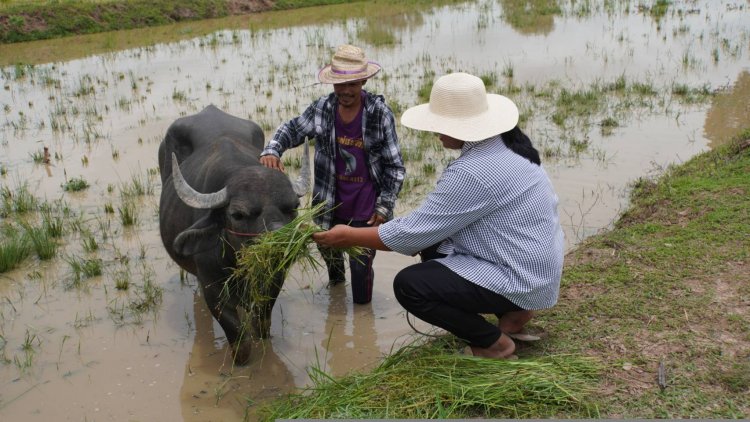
358, 165
494, 214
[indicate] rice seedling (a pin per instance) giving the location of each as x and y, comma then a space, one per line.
15, 247
44, 243
489, 79
27, 348
21, 201
59, 353
37, 157
138, 186
84, 321
132, 310
128, 213
179, 96
89, 241
292, 162
75, 184
428, 169
607, 125
149, 297
122, 279
435, 381
508, 70
423, 93
52, 223
83, 268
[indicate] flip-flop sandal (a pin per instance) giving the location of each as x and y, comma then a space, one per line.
466, 351
522, 336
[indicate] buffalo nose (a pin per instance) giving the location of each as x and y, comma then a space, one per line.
274, 225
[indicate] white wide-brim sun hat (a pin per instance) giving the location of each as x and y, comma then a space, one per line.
461, 108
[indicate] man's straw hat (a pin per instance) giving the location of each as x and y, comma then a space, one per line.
461, 108
348, 65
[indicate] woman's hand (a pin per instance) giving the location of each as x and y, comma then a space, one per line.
336, 237
343, 236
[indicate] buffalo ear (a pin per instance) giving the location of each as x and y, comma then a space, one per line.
200, 237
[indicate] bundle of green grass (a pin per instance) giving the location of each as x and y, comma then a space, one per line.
275, 252
434, 381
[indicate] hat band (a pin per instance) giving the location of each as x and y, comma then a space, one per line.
348, 72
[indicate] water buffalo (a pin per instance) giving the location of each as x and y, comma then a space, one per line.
215, 197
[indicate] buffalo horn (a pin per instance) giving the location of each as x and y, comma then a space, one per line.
191, 196
302, 184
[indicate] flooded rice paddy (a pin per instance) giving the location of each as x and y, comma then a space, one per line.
99, 324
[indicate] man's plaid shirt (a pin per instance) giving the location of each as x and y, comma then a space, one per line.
381, 145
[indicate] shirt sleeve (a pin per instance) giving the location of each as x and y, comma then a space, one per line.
293, 132
459, 199
393, 166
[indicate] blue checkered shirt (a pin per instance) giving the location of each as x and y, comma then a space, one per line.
496, 214
381, 145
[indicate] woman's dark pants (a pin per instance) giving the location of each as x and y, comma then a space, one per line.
437, 295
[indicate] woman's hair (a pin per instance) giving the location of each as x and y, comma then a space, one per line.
518, 142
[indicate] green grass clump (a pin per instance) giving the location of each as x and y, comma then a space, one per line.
15, 246
433, 381
275, 252
75, 184
83, 269
44, 243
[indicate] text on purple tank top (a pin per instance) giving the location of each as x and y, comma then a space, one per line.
355, 192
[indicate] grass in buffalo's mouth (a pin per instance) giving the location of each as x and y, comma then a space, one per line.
273, 253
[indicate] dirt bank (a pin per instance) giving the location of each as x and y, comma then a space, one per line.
38, 21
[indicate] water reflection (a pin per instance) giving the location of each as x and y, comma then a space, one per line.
729, 112
535, 17
214, 389
379, 31
351, 337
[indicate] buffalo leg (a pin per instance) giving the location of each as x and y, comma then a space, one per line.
261, 322
224, 308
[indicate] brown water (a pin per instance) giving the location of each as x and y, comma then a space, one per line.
101, 104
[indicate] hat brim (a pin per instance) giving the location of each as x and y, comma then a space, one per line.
327, 76
501, 116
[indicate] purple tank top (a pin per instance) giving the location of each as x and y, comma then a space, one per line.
355, 192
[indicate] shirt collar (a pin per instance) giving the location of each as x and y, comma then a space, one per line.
469, 145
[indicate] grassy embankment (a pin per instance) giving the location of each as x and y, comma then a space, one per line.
661, 303
28, 20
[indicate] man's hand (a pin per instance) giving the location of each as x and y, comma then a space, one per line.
273, 162
376, 220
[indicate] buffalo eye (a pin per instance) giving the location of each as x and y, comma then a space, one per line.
237, 216
291, 211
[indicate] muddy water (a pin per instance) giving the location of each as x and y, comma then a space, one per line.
79, 351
